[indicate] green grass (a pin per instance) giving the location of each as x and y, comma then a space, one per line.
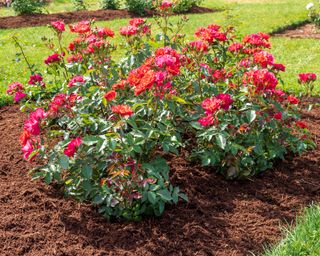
248, 16
55, 7
304, 239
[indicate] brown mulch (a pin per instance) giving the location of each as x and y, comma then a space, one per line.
304, 31
222, 218
70, 17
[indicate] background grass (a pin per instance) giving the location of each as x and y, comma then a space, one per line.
304, 239
56, 6
248, 16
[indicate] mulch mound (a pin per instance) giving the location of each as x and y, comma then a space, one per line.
221, 218
70, 17
304, 31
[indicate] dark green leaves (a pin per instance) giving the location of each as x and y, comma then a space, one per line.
64, 162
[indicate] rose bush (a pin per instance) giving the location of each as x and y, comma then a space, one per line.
314, 13
110, 4
308, 80
104, 133
27, 6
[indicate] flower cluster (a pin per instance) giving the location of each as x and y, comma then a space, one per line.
314, 13
136, 27
54, 58
71, 148
212, 105
211, 34
30, 137
308, 80
36, 79
157, 72
166, 5
17, 90
59, 26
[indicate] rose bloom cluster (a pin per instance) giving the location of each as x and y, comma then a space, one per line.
158, 71
89, 41
212, 105
166, 5
305, 78
261, 79
17, 90
136, 27
30, 137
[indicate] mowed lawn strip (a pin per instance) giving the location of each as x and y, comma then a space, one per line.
303, 240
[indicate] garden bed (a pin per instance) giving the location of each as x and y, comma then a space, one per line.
34, 20
221, 218
303, 31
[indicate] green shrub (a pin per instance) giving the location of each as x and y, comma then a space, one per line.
110, 4
79, 5
314, 13
139, 6
27, 6
185, 5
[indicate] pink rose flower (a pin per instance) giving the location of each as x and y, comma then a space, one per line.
72, 146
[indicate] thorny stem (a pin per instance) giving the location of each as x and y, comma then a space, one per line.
63, 62
23, 54
199, 82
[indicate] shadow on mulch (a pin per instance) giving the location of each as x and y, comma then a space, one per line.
221, 218
33, 20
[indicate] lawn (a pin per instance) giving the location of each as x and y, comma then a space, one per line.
248, 16
56, 6
303, 239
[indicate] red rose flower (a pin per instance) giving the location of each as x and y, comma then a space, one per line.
52, 59
76, 80
58, 26
293, 100
72, 146
110, 96
307, 78
24, 137
278, 116
80, 27
206, 121
122, 110
301, 124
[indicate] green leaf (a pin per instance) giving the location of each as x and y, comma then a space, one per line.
161, 207
165, 194
87, 172
152, 197
137, 149
184, 197
112, 144
251, 115
90, 140
175, 195
48, 178
64, 162
196, 125
221, 141
178, 99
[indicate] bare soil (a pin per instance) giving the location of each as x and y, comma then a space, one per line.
222, 217
33, 20
304, 31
